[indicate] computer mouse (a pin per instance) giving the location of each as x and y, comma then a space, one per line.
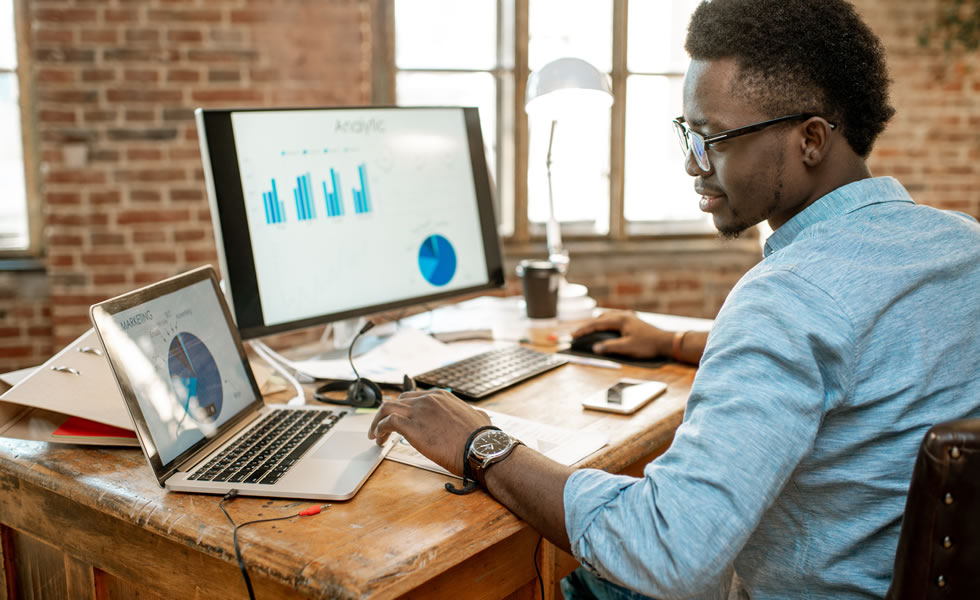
585, 342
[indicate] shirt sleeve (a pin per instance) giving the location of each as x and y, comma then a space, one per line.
776, 361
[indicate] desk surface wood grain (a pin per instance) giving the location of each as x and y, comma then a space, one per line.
402, 533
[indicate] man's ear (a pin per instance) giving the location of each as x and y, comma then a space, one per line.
815, 141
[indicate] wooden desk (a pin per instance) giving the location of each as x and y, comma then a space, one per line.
82, 522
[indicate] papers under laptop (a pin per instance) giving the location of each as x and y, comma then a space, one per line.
200, 419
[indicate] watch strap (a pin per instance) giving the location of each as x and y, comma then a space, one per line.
479, 475
470, 484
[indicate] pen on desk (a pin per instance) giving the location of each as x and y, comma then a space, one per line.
593, 362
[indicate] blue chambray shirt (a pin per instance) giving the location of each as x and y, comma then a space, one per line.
825, 367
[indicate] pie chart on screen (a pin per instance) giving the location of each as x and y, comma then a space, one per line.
195, 377
437, 260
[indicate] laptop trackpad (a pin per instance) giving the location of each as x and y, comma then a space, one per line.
348, 445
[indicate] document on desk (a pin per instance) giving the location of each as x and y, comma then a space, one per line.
408, 352
565, 446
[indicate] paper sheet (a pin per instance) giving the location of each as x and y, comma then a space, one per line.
409, 352
566, 446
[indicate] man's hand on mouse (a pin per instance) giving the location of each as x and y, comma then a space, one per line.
435, 422
637, 338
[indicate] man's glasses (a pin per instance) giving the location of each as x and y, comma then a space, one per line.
694, 142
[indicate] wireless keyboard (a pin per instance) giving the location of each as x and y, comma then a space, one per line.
478, 376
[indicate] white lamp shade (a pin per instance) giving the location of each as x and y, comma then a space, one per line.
567, 85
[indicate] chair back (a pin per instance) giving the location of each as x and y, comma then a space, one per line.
939, 545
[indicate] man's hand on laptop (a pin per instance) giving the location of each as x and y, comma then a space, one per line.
434, 422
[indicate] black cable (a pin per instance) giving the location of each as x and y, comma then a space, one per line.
234, 534
536, 570
350, 350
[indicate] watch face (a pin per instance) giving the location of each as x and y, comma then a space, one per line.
490, 443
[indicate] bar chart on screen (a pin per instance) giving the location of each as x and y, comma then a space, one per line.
330, 195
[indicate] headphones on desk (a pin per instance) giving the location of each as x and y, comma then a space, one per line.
362, 392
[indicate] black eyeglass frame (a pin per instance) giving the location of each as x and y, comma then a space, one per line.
707, 141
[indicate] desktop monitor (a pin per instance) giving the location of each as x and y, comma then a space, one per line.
322, 214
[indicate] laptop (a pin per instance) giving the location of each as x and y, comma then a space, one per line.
182, 372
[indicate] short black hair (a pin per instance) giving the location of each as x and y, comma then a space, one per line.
800, 56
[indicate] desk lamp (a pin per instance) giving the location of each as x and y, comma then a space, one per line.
566, 88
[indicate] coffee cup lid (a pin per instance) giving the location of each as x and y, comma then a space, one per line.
537, 265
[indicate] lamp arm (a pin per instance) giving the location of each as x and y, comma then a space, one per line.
556, 251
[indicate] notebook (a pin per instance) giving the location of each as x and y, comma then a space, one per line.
183, 375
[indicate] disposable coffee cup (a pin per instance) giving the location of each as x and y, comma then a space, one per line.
539, 281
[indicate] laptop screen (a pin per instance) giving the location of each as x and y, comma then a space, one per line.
181, 363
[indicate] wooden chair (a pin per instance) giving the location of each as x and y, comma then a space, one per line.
939, 545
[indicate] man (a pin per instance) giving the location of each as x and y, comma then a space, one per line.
825, 367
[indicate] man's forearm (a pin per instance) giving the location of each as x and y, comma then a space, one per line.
533, 487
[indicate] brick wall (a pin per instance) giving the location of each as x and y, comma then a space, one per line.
115, 82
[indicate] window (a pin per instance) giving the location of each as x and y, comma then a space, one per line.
616, 176
14, 229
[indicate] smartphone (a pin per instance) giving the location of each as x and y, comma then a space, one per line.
626, 397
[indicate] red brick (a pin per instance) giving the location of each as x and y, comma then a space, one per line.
64, 15
144, 196
141, 75
189, 236
53, 75
200, 256
104, 198
108, 278
121, 15
39, 331
15, 351
149, 237
97, 75
143, 95
183, 75
79, 176
185, 16
62, 198
63, 239
151, 175
100, 36
137, 154
160, 256
128, 217
142, 35
93, 259
104, 238
6, 332
56, 116
44, 35
185, 36
194, 195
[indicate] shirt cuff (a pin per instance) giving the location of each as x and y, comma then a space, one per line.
586, 493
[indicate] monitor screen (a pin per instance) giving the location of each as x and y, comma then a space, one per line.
329, 213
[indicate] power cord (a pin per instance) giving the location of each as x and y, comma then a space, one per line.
536, 570
306, 512
275, 360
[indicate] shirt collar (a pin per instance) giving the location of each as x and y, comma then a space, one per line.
839, 202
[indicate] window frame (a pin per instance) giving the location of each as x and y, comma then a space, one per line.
28, 130
518, 232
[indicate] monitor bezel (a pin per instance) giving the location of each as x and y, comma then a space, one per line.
234, 244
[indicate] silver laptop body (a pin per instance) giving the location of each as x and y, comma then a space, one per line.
183, 374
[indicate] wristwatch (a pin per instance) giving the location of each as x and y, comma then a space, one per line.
488, 447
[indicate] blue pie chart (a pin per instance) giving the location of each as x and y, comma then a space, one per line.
195, 378
437, 260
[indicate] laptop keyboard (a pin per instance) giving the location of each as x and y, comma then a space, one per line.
268, 451
479, 376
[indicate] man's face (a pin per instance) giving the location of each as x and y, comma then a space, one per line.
752, 177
